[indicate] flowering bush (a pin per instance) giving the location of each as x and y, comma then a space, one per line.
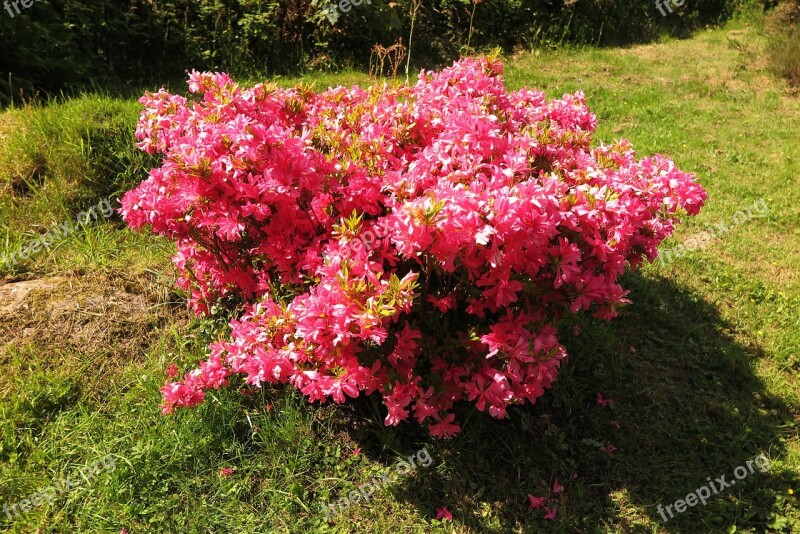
490, 217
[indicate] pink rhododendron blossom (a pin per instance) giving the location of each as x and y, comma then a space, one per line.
172, 371
418, 242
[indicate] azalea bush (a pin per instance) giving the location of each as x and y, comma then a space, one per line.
489, 215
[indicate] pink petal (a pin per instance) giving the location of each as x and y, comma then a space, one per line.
603, 402
536, 502
444, 514
609, 449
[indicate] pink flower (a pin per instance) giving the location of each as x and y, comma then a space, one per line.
557, 488
225, 472
609, 449
357, 452
445, 428
536, 502
551, 513
603, 402
443, 514
443, 304
172, 371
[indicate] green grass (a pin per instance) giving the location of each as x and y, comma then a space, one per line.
703, 367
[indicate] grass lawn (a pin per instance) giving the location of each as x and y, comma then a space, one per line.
703, 368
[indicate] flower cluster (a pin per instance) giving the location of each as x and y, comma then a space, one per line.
490, 216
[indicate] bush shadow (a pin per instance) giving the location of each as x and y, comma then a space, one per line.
687, 406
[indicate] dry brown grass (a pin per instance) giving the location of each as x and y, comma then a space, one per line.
783, 28
107, 316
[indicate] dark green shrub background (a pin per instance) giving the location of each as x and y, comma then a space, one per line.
66, 44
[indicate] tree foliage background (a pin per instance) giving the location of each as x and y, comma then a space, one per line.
64, 44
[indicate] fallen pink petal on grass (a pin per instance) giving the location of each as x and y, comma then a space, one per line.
603, 401
443, 514
536, 502
609, 449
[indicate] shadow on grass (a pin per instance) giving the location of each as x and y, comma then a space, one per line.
687, 406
